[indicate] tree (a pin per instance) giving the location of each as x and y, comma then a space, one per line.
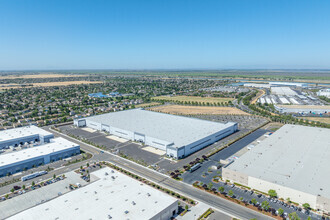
186, 207
230, 193
54, 176
309, 218
221, 189
210, 185
280, 211
23, 187
6, 196
33, 183
306, 206
265, 205
272, 193
293, 216
12, 190
87, 164
254, 201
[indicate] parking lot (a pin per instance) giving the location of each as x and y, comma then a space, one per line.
274, 203
129, 149
221, 155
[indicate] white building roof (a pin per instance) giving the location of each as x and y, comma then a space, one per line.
294, 156
102, 198
56, 145
171, 128
16, 133
283, 91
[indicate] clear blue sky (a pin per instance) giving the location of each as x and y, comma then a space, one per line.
169, 34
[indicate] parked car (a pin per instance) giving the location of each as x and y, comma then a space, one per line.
17, 187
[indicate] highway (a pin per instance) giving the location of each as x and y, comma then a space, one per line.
188, 190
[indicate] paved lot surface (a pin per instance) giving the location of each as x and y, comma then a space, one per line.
43, 194
223, 154
219, 215
136, 151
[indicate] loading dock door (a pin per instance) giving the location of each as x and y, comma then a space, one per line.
81, 123
139, 137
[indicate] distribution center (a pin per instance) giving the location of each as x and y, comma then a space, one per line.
294, 162
178, 136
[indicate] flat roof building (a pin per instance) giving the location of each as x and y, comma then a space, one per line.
178, 136
294, 161
24, 159
16, 136
112, 196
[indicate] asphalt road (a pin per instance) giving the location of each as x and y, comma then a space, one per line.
186, 189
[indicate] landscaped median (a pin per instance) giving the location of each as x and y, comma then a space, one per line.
154, 185
206, 214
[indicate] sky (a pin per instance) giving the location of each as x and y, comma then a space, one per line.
168, 34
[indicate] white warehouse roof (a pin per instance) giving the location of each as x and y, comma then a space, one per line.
294, 156
16, 133
171, 128
56, 145
102, 199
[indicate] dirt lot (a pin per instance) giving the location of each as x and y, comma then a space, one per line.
36, 76
196, 110
323, 120
47, 84
193, 99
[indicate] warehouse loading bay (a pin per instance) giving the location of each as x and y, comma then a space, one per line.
151, 156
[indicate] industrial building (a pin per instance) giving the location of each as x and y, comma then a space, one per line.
112, 196
178, 136
57, 148
324, 92
294, 161
295, 84
19, 136
303, 109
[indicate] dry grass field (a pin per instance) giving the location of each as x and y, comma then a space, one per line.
47, 84
193, 99
320, 119
38, 76
196, 110
147, 104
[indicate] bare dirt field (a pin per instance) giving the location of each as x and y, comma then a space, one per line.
320, 119
193, 99
196, 110
47, 84
37, 76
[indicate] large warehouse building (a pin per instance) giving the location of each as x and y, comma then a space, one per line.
112, 196
178, 136
294, 161
19, 136
25, 159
